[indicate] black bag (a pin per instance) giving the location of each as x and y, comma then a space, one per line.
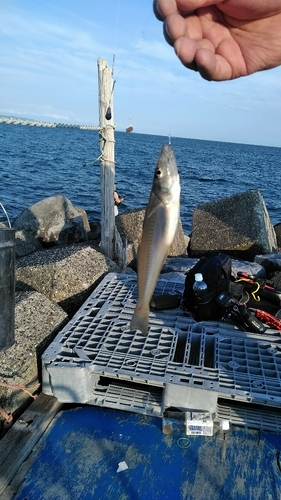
216, 271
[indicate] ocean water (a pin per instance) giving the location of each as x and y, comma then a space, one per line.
37, 162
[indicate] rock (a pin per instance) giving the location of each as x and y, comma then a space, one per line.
130, 224
271, 262
170, 276
37, 321
25, 243
184, 264
238, 225
53, 221
187, 241
252, 268
277, 229
84, 216
95, 231
50, 283
178, 264
66, 275
277, 284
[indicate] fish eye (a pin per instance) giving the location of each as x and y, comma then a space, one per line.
158, 173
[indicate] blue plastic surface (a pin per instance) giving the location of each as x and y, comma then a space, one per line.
83, 447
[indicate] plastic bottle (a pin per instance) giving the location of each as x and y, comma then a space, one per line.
200, 291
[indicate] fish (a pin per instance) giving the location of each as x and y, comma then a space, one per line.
159, 228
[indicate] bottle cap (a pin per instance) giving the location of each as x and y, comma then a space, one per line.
198, 277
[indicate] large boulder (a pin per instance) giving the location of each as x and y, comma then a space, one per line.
66, 275
54, 221
238, 225
25, 243
130, 225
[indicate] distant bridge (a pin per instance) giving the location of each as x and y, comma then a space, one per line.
34, 123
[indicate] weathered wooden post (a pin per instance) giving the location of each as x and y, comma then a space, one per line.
107, 164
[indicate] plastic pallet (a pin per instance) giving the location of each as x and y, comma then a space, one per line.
96, 359
249, 415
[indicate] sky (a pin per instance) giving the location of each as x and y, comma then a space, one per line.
48, 72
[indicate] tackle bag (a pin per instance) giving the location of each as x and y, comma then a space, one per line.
216, 272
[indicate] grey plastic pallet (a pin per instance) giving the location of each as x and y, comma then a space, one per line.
97, 360
249, 415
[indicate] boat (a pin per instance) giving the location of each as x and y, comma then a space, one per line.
129, 129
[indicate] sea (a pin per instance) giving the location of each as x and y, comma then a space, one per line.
37, 162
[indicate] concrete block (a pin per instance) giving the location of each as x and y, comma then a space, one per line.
238, 225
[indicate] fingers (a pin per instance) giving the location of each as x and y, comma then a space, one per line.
201, 57
187, 38
164, 8
174, 27
195, 38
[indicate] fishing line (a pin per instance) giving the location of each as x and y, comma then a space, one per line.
108, 114
141, 40
126, 60
138, 46
116, 28
131, 100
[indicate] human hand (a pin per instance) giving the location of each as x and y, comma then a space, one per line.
223, 39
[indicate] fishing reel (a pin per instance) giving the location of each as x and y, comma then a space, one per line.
238, 312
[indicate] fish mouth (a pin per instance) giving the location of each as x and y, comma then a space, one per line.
167, 162
166, 179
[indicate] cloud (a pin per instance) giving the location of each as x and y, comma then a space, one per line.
29, 110
48, 70
33, 34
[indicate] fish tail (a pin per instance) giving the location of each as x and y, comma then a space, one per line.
140, 321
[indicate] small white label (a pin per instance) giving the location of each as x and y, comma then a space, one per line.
199, 423
198, 428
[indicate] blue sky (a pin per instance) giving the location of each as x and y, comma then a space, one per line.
48, 72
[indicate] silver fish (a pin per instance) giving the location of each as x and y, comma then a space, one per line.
159, 228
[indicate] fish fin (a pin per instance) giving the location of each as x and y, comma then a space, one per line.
139, 322
152, 212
